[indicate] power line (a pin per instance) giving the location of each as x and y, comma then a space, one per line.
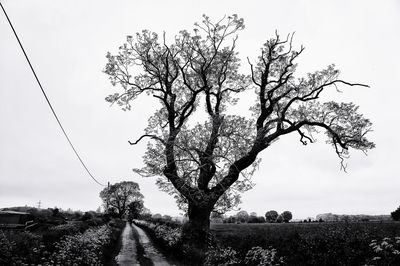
47, 99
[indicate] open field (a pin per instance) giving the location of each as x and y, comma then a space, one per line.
309, 243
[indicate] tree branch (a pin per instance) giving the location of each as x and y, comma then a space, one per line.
149, 136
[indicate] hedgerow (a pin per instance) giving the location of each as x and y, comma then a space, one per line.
82, 248
68, 244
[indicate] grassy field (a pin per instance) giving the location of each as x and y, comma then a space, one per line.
309, 243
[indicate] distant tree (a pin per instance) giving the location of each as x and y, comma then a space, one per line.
253, 218
55, 211
146, 214
135, 209
77, 214
156, 216
167, 217
253, 214
87, 216
261, 219
279, 219
215, 215
271, 216
286, 216
396, 214
231, 219
117, 197
242, 216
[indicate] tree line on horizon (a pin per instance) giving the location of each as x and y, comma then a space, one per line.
125, 199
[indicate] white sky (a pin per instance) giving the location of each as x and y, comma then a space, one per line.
67, 42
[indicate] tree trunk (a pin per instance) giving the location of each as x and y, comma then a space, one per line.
196, 230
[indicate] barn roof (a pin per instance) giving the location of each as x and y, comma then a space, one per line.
13, 212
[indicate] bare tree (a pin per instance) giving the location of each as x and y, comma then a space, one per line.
206, 164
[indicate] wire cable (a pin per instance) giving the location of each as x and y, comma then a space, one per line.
48, 101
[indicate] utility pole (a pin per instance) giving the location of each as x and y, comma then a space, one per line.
108, 198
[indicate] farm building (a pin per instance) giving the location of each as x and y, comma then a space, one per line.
13, 217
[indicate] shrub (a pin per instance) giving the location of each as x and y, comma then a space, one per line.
386, 252
169, 223
258, 256
95, 221
111, 249
25, 248
168, 236
6, 249
87, 215
82, 248
77, 215
221, 257
55, 233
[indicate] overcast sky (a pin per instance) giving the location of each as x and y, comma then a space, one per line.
67, 42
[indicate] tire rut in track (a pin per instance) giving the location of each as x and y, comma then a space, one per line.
150, 251
127, 255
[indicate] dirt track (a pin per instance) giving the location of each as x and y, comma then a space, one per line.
129, 255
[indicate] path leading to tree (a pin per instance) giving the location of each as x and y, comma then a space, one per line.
127, 255
149, 255
150, 251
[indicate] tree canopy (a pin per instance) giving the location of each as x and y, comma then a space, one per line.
118, 197
135, 209
396, 214
271, 216
287, 216
207, 163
